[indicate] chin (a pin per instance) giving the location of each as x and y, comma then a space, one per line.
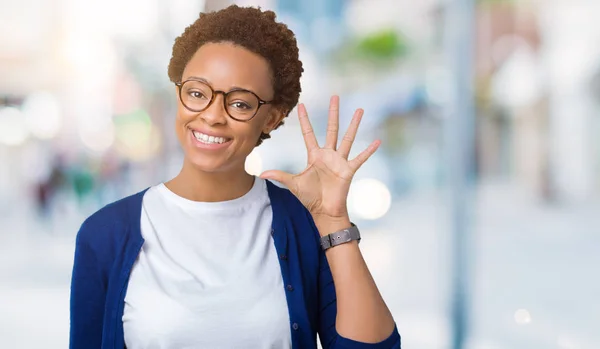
206, 164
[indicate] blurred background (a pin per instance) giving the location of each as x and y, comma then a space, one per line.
479, 212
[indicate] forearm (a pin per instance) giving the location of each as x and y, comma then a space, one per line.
362, 315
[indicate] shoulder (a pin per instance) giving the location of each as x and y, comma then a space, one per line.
112, 218
283, 197
286, 204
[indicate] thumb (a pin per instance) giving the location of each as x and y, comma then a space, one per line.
279, 176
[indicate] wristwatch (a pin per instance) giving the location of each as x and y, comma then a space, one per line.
340, 237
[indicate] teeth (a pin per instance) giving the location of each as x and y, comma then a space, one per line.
208, 139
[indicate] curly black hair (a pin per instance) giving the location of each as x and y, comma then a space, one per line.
255, 30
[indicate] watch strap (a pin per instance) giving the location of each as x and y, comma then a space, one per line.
340, 237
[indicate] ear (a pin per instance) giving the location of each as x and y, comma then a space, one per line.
275, 116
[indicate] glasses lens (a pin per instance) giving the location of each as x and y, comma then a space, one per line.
242, 105
195, 95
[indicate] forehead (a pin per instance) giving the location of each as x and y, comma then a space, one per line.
225, 66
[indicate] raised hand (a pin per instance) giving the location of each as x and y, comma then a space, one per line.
323, 186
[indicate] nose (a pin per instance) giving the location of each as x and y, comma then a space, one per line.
215, 114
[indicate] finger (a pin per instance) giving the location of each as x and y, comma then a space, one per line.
333, 123
350, 135
307, 131
357, 162
279, 176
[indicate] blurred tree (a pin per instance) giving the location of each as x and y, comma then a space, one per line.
378, 50
386, 44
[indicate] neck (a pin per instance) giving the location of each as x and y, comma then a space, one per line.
194, 184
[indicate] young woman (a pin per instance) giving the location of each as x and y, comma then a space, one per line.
218, 258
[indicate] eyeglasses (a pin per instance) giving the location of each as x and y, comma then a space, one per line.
240, 104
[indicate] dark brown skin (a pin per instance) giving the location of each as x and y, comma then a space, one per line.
224, 66
209, 175
219, 175
255, 30
323, 189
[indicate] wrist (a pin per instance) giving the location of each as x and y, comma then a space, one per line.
328, 225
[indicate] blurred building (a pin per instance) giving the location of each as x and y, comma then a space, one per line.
86, 114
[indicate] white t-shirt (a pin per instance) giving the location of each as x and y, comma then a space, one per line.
207, 276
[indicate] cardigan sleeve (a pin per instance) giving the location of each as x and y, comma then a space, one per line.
328, 335
88, 293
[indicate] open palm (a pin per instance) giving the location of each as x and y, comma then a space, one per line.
323, 186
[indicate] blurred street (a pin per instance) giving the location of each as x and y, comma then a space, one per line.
557, 291
490, 105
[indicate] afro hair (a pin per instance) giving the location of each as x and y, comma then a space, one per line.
255, 30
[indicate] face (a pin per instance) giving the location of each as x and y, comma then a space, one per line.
224, 67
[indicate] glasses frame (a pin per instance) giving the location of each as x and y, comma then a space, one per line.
261, 102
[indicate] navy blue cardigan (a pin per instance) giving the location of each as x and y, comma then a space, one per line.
109, 242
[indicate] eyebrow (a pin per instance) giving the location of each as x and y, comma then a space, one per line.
197, 78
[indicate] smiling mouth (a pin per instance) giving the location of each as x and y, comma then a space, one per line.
209, 139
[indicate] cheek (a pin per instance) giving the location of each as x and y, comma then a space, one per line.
182, 119
261, 123
181, 116
180, 122
253, 129
250, 138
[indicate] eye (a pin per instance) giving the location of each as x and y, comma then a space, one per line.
196, 94
241, 105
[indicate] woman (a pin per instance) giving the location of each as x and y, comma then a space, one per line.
216, 258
